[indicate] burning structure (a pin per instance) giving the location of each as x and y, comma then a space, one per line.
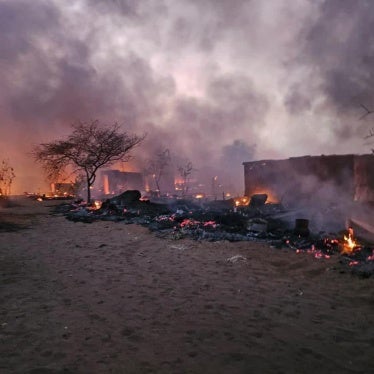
330, 191
310, 180
116, 181
313, 197
63, 189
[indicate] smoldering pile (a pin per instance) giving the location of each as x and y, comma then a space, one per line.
220, 220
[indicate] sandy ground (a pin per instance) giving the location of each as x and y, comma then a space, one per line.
113, 298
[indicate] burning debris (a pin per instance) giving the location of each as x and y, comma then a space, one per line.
256, 220
349, 245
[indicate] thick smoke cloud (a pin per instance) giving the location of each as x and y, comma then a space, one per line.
200, 77
337, 50
346, 27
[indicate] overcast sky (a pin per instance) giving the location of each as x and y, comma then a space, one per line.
217, 81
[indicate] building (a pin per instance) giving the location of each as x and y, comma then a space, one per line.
63, 189
312, 179
115, 181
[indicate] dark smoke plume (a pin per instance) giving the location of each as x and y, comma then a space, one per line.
195, 76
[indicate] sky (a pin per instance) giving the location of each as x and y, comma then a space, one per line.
217, 82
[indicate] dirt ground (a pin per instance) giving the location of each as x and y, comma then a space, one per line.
113, 298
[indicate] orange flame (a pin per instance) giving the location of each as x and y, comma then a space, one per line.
97, 204
272, 198
349, 244
241, 201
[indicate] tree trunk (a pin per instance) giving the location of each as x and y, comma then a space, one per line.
88, 189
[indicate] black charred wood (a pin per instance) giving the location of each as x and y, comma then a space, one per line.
258, 200
301, 227
126, 197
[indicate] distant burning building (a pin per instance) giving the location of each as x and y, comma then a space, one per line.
116, 181
62, 189
311, 179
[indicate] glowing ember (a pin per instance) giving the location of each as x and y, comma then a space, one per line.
192, 223
212, 224
241, 201
98, 204
317, 253
371, 257
353, 263
189, 222
330, 242
349, 244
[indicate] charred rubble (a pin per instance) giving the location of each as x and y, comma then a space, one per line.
219, 220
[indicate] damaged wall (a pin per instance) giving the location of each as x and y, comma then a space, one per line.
115, 181
312, 179
364, 178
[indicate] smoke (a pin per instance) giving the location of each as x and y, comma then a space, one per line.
198, 77
337, 52
324, 189
231, 162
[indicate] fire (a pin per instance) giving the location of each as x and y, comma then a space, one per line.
371, 257
241, 201
317, 253
349, 244
190, 223
272, 198
97, 204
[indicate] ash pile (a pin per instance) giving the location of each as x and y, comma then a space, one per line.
229, 220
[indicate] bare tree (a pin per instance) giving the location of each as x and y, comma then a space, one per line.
88, 148
368, 111
370, 134
185, 172
158, 166
6, 178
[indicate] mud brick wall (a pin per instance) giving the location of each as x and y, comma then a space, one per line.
308, 179
364, 178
